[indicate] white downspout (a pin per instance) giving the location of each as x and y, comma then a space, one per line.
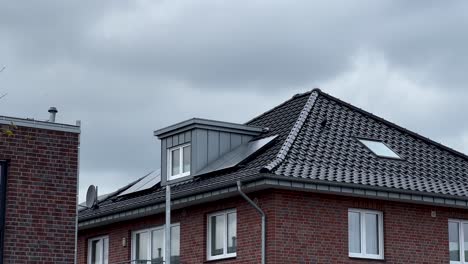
78, 123
167, 227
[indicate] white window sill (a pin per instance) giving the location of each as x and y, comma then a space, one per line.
363, 256
220, 257
178, 176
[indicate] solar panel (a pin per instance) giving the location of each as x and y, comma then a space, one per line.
236, 156
144, 183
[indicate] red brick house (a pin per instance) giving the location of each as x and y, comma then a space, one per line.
334, 183
38, 191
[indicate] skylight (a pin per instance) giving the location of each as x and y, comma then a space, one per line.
379, 148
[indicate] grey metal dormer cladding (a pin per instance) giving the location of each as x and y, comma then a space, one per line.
209, 140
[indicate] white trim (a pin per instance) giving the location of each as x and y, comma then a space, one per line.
461, 240
208, 238
6, 120
363, 253
102, 238
181, 162
150, 242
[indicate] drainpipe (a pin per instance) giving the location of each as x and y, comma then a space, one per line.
259, 210
78, 123
167, 227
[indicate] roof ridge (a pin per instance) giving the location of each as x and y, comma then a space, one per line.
278, 106
398, 127
294, 132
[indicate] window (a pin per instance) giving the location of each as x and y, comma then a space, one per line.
458, 241
98, 250
222, 235
179, 162
365, 234
379, 148
148, 246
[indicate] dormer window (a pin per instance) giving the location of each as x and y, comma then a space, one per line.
179, 162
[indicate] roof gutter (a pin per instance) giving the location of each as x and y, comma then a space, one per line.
264, 181
294, 180
260, 211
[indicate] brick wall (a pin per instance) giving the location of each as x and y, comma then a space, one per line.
313, 228
192, 233
302, 228
41, 195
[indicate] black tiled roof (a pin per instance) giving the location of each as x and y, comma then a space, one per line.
279, 120
317, 140
327, 148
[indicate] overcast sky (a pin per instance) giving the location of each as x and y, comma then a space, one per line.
126, 68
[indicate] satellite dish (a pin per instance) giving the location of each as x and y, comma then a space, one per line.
91, 196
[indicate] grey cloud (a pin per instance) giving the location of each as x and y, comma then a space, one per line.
126, 68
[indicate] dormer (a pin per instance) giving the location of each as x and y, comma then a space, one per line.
188, 147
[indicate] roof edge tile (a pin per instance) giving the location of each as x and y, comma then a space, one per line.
293, 133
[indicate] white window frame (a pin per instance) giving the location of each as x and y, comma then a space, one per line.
181, 165
394, 156
150, 243
90, 248
460, 240
225, 246
363, 253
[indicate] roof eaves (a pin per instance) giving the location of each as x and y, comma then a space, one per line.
293, 133
176, 194
360, 186
285, 182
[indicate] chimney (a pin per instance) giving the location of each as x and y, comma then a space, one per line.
53, 111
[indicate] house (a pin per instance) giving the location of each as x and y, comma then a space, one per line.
329, 182
38, 190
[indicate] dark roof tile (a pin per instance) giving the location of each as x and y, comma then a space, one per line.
338, 157
317, 140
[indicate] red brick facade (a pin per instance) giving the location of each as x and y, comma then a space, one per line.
40, 195
301, 228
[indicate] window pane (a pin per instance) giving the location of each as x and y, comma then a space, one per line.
217, 235
454, 241
465, 237
96, 252
354, 232
157, 247
175, 162
232, 233
379, 148
372, 233
186, 161
175, 245
141, 247
106, 250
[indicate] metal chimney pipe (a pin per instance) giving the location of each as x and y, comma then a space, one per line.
53, 111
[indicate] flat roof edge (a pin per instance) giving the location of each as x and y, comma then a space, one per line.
21, 122
206, 122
